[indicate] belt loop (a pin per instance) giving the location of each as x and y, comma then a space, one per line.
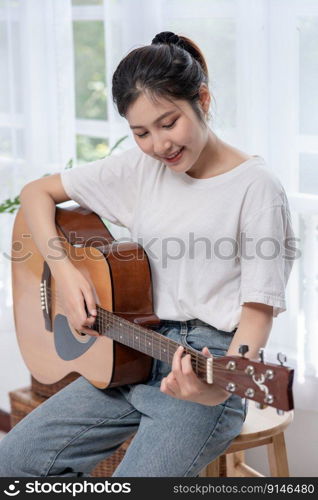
183, 328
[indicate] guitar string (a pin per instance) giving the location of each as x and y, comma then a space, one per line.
144, 342
200, 365
199, 368
127, 326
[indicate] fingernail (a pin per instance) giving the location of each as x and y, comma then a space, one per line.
93, 311
180, 348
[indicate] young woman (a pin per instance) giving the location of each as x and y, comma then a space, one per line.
188, 197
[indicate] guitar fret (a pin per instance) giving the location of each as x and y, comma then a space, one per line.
145, 339
151, 343
172, 350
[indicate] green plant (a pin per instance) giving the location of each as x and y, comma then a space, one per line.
10, 205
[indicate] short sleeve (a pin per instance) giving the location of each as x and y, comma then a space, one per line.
267, 254
108, 187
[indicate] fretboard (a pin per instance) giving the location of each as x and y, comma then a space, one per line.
145, 340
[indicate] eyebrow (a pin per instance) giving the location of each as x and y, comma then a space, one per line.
167, 113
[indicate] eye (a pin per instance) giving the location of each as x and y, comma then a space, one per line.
171, 124
163, 126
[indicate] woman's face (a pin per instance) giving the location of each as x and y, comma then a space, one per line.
163, 128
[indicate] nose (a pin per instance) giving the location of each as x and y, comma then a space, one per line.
161, 146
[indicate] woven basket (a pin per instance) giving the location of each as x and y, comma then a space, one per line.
48, 390
24, 400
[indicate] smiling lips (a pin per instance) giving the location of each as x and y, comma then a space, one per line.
174, 156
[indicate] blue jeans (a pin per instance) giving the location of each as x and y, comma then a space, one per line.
81, 425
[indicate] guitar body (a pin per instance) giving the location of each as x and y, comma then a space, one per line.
120, 276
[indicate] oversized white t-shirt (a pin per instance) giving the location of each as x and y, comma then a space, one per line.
213, 244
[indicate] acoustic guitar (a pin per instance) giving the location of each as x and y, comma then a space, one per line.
120, 275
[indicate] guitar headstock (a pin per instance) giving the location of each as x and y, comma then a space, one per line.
267, 383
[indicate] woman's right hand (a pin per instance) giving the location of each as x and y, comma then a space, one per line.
74, 291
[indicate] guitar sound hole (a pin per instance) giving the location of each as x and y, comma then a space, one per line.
82, 334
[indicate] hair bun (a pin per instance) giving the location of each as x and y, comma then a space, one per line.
166, 37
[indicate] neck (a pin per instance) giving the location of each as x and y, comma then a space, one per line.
206, 165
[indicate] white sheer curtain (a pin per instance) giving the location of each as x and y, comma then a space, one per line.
263, 80
37, 130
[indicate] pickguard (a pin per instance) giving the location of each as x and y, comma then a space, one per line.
66, 345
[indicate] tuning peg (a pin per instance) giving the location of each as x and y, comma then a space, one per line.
243, 349
260, 406
280, 412
261, 354
282, 358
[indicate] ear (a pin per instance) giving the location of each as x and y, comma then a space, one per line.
204, 97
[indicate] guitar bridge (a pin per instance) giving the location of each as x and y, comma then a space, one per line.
43, 293
45, 299
209, 370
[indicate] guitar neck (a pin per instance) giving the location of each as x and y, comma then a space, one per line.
265, 383
146, 341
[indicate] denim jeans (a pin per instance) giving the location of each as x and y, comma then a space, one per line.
81, 425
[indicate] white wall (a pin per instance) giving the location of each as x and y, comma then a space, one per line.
13, 373
302, 447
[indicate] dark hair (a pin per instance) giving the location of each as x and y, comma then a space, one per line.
172, 67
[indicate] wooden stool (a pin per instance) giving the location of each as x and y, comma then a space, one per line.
261, 427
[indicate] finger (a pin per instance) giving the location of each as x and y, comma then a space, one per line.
90, 303
186, 365
172, 383
191, 383
176, 361
90, 314
82, 329
89, 331
206, 352
89, 321
164, 387
86, 324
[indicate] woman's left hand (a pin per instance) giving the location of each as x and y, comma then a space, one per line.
182, 382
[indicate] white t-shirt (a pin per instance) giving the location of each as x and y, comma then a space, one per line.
195, 232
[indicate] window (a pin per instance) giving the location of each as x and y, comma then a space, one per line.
90, 80
56, 104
